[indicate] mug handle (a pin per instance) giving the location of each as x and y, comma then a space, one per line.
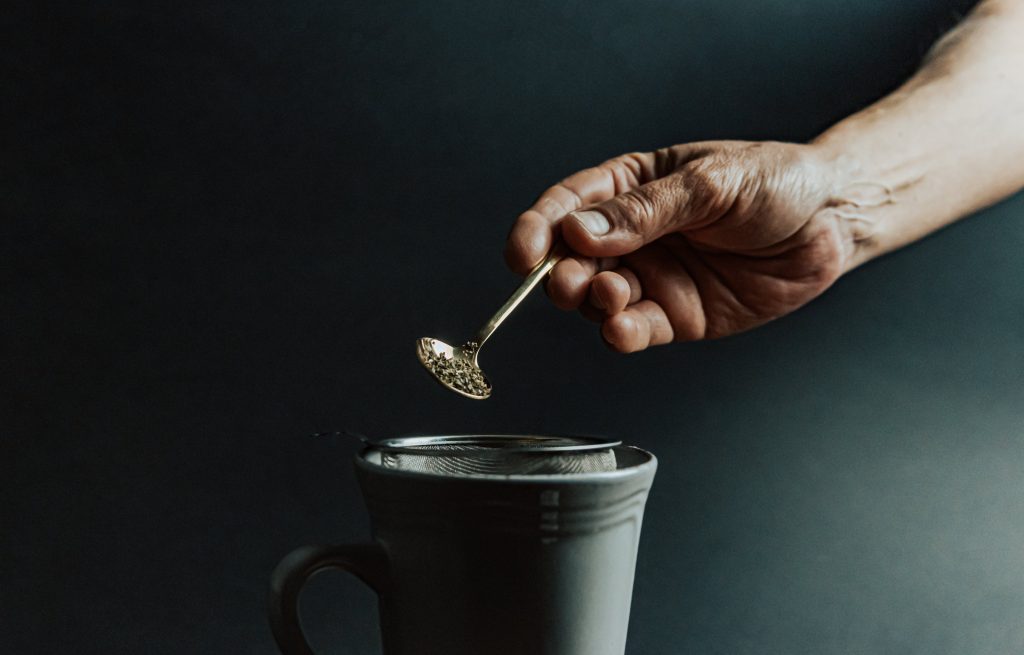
368, 562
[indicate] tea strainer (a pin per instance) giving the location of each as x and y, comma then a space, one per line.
497, 454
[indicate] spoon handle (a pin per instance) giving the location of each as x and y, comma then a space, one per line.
535, 276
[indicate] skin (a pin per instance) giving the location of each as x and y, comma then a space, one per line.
704, 240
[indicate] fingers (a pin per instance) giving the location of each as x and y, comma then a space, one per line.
626, 202
530, 235
629, 220
570, 279
612, 291
670, 308
667, 282
639, 326
650, 300
569, 283
533, 232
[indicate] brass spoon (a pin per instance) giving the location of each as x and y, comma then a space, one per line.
456, 367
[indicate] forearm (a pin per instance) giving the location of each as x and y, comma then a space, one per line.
948, 142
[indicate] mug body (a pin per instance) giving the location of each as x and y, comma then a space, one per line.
507, 564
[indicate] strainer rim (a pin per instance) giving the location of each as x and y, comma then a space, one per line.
420, 444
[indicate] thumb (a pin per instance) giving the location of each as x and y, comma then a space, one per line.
629, 220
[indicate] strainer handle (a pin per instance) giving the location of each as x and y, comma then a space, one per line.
368, 562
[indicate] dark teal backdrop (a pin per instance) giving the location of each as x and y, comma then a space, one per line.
222, 226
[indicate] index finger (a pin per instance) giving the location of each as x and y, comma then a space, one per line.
533, 232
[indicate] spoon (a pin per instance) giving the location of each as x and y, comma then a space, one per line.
456, 367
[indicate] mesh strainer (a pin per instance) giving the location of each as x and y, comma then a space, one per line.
497, 454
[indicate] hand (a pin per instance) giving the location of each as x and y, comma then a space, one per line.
690, 242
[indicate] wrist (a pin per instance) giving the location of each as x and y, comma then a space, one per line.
865, 196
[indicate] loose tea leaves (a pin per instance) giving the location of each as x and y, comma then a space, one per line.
456, 371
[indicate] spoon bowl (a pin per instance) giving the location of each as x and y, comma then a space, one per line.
455, 367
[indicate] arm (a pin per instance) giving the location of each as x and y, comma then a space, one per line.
704, 240
948, 142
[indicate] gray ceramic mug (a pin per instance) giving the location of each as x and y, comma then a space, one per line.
490, 564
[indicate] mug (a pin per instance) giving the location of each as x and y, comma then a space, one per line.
487, 564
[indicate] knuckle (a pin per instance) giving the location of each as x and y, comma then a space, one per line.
637, 206
624, 172
559, 199
548, 206
709, 183
703, 177
632, 162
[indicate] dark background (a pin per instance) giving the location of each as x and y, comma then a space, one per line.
224, 225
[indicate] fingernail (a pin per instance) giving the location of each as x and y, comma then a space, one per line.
594, 222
